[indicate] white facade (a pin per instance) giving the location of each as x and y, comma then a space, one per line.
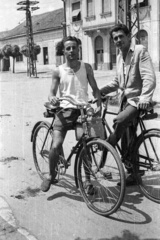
91, 20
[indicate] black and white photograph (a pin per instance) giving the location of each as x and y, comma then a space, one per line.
80, 120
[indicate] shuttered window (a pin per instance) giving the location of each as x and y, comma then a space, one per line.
76, 12
90, 8
106, 6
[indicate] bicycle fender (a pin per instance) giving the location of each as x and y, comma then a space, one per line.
76, 160
36, 125
146, 131
149, 130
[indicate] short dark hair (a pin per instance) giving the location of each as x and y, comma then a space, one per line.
118, 27
71, 38
60, 45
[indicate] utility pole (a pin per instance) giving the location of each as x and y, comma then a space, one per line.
64, 23
31, 59
128, 13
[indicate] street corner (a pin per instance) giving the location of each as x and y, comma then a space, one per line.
9, 228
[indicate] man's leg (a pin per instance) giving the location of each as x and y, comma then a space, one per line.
121, 122
58, 138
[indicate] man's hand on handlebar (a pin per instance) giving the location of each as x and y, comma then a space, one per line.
97, 112
143, 105
54, 100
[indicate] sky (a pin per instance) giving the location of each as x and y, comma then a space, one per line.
10, 17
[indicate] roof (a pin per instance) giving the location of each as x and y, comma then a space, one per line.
40, 23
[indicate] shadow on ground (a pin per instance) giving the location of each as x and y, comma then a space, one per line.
126, 235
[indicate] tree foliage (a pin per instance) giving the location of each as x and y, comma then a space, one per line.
15, 51
7, 50
1, 54
25, 50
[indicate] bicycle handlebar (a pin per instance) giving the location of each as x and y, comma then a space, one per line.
72, 101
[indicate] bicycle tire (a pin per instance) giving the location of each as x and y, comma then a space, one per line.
146, 161
41, 159
107, 196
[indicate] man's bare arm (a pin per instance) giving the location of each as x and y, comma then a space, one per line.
93, 84
54, 87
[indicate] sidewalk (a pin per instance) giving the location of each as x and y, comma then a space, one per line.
17, 188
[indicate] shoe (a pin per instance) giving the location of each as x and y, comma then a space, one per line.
45, 186
54, 181
89, 188
107, 175
130, 181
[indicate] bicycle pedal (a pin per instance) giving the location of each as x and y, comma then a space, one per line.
68, 164
61, 165
141, 172
107, 175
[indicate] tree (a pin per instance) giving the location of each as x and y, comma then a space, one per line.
6, 51
33, 56
9, 50
25, 50
1, 57
15, 52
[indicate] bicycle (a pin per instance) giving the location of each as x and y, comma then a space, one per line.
98, 185
139, 154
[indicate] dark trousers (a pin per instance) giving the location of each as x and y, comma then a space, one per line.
121, 122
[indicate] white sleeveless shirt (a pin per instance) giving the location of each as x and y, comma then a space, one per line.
74, 85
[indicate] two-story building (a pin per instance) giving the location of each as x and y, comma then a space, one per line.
91, 20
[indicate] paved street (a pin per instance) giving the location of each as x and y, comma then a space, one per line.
60, 214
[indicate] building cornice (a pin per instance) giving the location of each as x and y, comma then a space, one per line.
34, 33
98, 27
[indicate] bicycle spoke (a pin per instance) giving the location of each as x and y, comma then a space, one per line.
104, 196
147, 167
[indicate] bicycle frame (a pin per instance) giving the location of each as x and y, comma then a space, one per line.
143, 130
81, 142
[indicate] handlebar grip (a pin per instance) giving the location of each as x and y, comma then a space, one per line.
150, 116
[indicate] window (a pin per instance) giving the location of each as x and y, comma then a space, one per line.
90, 8
45, 56
76, 13
142, 3
106, 6
143, 38
19, 58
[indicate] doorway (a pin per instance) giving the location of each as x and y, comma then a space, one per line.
142, 35
45, 55
113, 54
99, 53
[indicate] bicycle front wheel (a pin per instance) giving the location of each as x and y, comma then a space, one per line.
42, 142
147, 164
98, 182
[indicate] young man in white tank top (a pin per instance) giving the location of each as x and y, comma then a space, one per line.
72, 80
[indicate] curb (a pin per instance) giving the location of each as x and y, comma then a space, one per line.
7, 215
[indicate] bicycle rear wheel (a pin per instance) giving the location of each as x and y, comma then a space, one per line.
41, 156
97, 182
147, 164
